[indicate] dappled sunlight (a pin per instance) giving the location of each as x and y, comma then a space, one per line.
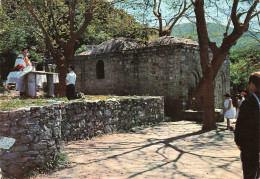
169, 150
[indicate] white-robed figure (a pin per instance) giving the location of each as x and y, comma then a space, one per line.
228, 110
22, 61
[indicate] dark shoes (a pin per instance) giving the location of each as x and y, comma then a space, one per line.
230, 128
22, 94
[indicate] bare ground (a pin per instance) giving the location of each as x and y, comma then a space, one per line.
170, 150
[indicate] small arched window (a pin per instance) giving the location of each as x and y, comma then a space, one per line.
100, 72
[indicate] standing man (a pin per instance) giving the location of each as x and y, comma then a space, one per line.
247, 129
70, 82
22, 62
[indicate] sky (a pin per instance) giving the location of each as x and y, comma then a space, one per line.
218, 15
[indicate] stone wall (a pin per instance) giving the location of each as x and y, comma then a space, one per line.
40, 131
172, 71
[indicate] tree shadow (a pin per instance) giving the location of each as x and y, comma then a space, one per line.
211, 138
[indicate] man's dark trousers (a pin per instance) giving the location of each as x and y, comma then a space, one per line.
70, 91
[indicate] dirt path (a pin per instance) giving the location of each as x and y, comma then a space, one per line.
170, 150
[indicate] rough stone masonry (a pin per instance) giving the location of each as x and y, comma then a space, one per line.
167, 66
40, 131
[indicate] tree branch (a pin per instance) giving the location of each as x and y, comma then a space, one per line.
48, 40
250, 12
159, 5
54, 22
240, 14
202, 36
179, 11
151, 28
256, 14
59, 42
72, 16
154, 9
234, 18
227, 27
88, 17
180, 15
158, 15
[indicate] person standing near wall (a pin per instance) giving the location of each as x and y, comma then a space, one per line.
239, 101
247, 129
70, 82
228, 110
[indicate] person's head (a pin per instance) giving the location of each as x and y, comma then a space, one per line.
71, 68
227, 95
239, 96
254, 83
24, 51
243, 94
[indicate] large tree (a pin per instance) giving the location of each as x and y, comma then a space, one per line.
205, 91
66, 26
62, 24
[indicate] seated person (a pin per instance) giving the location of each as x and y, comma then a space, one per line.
21, 62
18, 67
22, 59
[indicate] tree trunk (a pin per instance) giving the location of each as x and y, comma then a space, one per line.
204, 94
206, 85
63, 63
209, 122
198, 94
60, 88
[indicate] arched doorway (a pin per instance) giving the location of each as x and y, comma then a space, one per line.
100, 70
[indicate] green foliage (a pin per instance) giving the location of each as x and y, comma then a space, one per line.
18, 29
244, 60
60, 159
189, 30
245, 56
8, 102
108, 22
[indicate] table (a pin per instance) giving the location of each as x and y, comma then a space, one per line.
30, 82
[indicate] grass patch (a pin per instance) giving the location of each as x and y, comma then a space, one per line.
61, 160
8, 103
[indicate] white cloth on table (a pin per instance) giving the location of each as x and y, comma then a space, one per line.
230, 113
18, 78
55, 78
42, 78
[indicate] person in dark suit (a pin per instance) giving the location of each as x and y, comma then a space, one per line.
247, 129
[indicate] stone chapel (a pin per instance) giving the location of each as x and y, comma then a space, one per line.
167, 66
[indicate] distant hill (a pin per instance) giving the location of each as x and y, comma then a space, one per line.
216, 31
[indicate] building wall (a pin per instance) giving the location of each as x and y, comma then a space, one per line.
172, 71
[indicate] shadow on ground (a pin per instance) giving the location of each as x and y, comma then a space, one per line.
169, 150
